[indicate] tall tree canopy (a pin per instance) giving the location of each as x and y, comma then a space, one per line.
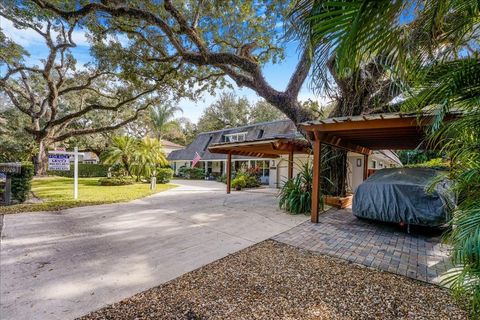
162, 119
204, 41
227, 112
61, 99
263, 111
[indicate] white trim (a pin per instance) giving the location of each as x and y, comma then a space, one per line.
238, 134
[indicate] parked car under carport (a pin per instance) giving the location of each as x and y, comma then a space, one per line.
399, 195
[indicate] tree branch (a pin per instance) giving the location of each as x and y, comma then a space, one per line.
300, 74
101, 129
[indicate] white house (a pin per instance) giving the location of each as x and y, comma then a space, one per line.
274, 170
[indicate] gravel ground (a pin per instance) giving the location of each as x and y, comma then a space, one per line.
275, 281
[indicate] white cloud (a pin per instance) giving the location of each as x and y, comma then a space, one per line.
28, 37
23, 37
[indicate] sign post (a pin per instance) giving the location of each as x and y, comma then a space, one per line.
75, 173
59, 160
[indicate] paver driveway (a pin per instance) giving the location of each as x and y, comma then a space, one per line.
63, 265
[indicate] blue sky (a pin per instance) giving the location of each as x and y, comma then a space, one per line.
276, 74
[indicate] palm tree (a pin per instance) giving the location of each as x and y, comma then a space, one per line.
148, 157
121, 151
161, 118
431, 50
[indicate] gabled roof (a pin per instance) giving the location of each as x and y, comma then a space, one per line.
166, 143
263, 130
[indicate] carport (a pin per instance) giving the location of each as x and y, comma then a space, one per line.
364, 134
262, 148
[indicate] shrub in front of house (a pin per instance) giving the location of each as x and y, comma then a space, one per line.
115, 181
251, 180
222, 178
22, 182
85, 170
296, 194
164, 175
191, 173
239, 182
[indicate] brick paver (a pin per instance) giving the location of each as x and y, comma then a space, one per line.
418, 255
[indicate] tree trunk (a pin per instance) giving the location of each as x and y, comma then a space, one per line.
41, 159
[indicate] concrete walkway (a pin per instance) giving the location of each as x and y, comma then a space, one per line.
65, 264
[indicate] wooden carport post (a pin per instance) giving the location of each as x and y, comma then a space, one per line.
317, 156
365, 167
229, 172
290, 164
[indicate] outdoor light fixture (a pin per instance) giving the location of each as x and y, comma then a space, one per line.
359, 162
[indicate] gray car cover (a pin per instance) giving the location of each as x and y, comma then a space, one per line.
399, 195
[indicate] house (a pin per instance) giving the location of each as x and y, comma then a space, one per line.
168, 146
274, 165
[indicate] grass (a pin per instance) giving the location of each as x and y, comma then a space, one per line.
57, 194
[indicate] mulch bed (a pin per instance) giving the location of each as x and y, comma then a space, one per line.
275, 281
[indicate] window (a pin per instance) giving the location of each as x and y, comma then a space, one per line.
374, 164
260, 133
236, 137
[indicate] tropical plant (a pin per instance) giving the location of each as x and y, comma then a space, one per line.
140, 158
296, 194
431, 50
162, 118
147, 158
121, 151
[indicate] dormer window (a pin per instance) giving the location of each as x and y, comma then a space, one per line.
260, 134
208, 143
236, 137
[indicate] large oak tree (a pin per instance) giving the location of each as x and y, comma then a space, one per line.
60, 99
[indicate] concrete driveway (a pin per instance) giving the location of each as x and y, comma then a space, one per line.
65, 264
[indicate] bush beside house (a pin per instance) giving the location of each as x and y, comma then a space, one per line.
22, 182
191, 173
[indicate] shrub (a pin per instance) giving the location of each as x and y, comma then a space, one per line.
252, 182
117, 170
296, 194
115, 181
164, 175
222, 178
239, 182
85, 170
191, 173
437, 163
22, 182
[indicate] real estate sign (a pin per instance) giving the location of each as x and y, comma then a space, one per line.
58, 162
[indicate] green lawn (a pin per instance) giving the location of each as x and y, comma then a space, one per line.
57, 194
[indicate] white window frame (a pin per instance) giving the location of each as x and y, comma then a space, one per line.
236, 137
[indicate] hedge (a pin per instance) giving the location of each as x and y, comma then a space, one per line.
115, 181
85, 170
22, 182
191, 173
164, 175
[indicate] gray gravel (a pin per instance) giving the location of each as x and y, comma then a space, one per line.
275, 281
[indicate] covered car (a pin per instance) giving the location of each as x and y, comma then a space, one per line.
400, 195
